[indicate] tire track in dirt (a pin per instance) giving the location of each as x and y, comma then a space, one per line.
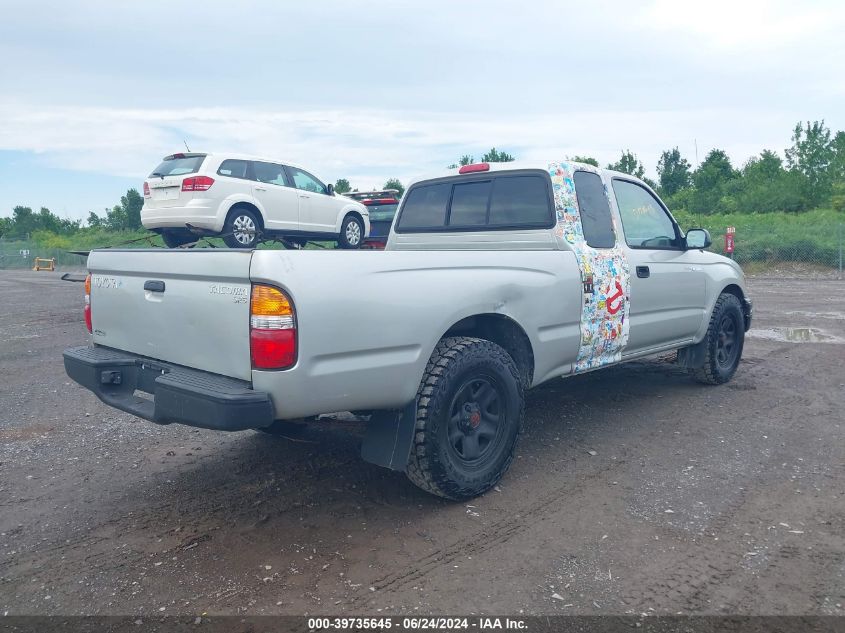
489, 536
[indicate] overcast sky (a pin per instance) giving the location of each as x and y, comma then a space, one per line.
94, 95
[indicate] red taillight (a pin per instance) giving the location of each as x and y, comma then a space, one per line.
146, 190
197, 183
272, 349
471, 169
272, 328
87, 309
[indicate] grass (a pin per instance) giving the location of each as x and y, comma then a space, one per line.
814, 237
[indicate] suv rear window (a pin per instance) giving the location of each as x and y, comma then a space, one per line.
178, 166
381, 212
498, 202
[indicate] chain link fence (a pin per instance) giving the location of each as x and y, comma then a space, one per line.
783, 251
20, 254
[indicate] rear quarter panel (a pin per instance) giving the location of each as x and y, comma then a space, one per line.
367, 322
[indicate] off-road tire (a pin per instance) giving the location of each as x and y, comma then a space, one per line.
717, 368
237, 217
346, 238
433, 464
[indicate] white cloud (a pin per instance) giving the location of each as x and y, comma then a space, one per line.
744, 25
367, 146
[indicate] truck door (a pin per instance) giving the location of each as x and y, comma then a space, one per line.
585, 223
667, 287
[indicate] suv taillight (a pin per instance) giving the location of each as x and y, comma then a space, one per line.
87, 308
197, 183
146, 189
272, 328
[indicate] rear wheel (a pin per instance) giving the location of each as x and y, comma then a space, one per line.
470, 408
242, 228
174, 238
351, 232
723, 342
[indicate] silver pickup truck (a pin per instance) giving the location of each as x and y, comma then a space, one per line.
495, 278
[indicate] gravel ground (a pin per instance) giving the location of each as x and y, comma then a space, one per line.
635, 490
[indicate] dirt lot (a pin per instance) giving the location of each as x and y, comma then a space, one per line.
635, 490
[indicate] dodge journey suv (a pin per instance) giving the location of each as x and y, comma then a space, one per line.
245, 199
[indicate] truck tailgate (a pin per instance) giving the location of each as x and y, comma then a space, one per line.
194, 310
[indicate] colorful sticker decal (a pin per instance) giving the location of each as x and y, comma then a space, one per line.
604, 274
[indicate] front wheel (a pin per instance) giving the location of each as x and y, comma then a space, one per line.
351, 232
470, 407
723, 342
241, 229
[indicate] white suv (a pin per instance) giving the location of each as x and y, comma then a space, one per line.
246, 199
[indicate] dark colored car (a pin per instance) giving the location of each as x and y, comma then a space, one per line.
382, 206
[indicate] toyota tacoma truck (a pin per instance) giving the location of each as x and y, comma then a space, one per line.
495, 278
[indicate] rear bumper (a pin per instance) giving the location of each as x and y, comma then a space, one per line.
177, 394
199, 213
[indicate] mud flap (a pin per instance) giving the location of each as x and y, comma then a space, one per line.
692, 357
389, 437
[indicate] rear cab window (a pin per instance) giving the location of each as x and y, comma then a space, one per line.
490, 201
178, 165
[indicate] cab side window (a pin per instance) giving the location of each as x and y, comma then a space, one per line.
270, 173
305, 181
644, 220
596, 219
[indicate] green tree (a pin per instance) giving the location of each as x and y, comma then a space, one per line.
126, 215
765, 186
673, 172
587, 160
628, 164
466, 159
811, 154
24, 222
342, 186
94, 221
393, 183
837, 165
711, 183
495, 156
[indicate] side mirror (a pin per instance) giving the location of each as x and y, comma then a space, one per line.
330, 189
698, 238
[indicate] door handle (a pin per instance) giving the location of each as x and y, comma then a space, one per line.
154, 285
260, 189
643, 272
304, 195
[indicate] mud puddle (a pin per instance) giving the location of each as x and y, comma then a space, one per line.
795, 335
